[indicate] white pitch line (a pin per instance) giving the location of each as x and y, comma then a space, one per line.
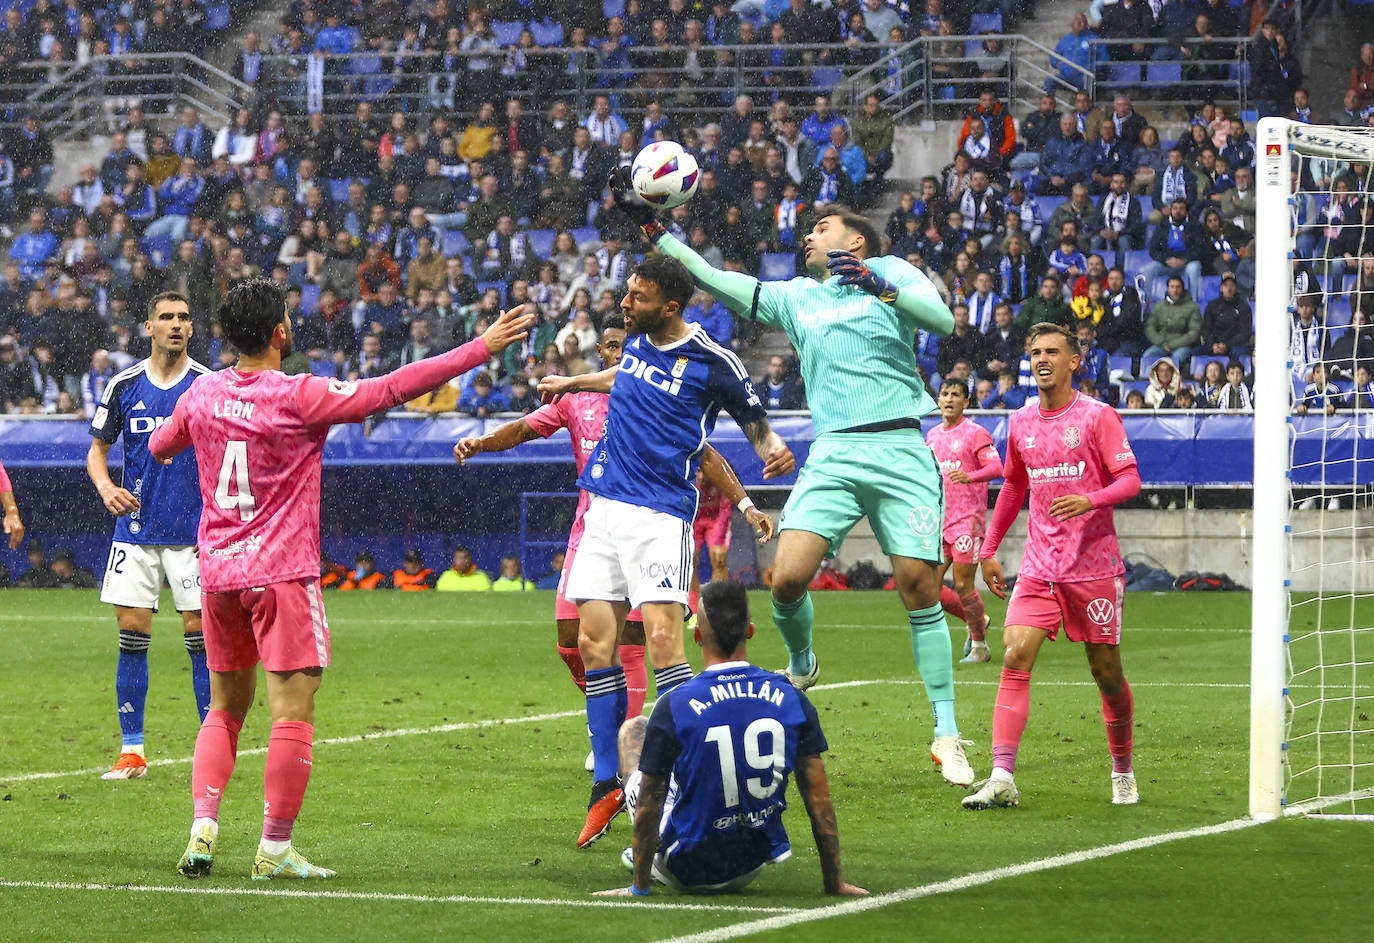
606, 903
327, 741
977, 879
561, 715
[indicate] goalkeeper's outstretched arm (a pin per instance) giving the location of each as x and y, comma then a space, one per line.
735, 290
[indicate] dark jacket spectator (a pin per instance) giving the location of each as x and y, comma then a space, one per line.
1226, 322
1064, 159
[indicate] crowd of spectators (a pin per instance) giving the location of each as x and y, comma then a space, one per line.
414, 576
402, 234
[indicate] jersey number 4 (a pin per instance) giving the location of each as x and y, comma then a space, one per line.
770, 762
235, 469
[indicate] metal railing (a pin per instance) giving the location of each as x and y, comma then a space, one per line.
1158, 68
74, 101
930, 75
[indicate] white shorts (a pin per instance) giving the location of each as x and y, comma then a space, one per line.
134, 575
631, 552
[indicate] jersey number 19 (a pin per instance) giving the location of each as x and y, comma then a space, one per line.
771, 762
235, 468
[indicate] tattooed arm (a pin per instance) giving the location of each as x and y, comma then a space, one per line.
815, 794
768, 445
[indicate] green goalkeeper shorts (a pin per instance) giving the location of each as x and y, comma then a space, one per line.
890, 477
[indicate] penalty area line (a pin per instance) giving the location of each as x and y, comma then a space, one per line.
375, 896
858, 905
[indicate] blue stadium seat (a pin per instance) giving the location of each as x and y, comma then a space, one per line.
338, 190
1123, 363
1163, 73
452, 243
1338, 314
825, 80
1048, 204
216, 16
985, 23
1147, 204
541, 242
507, 32
1136, 260
310, 296
378, 86
777, 266
158, 250
499, 286
972, 47
322, 368
296, 274
1211, 288
1200, 361
546, 32
1129, 385
365, 65
1122, 74
612, 8
583, 235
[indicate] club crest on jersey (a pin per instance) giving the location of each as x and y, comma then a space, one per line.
922, 521
680, 367
955, 445
1072, 437
1101, 610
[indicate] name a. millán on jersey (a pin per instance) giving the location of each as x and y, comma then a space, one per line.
728, 690
234, 409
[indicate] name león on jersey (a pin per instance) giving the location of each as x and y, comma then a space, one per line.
234, 409
732, 687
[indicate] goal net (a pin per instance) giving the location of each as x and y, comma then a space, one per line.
1312, 623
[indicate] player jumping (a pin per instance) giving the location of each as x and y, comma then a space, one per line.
1072, 453
968, 460
259, 438
636, 548
155, 519
584, 416
706, 773
853, 322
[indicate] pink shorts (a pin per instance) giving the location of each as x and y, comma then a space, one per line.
562, 608
961, 547
281, 624
1089, 610
713, 531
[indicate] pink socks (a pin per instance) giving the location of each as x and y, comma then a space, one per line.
216, 748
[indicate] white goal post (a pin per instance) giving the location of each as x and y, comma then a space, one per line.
1312, 702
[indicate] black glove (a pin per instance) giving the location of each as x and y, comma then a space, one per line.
632, 205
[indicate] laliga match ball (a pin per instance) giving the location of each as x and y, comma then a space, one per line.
665, 174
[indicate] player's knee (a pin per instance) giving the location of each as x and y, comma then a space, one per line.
788, 586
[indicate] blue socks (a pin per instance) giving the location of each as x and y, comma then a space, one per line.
934, 655
665, 679
131, 686
200, 675
607, 701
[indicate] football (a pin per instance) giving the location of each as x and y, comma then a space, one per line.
665, 174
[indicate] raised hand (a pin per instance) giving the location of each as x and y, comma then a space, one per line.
511, 326
14, 528
780, 462
551, 388
852, 270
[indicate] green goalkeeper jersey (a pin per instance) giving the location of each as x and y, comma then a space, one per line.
858, 355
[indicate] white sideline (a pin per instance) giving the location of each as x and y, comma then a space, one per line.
560, 715
858, 905
381, 896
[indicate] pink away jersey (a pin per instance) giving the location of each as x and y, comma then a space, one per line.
712, 505
967, 447
259, 440
1080, 449
4, 480
584, 416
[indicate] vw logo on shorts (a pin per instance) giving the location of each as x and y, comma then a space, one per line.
922, 521
1101, 611
964, 544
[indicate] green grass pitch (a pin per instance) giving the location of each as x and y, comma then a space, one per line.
446, 823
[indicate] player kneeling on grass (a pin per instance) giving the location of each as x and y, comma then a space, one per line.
968, 460
707, 771
259, 438
1072, 453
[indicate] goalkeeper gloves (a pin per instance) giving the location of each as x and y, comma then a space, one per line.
629, 203
852, 271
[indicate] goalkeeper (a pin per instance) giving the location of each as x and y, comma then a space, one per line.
853, 322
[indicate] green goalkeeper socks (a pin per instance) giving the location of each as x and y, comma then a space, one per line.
935, 661
793, 620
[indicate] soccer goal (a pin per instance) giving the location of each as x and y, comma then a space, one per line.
1312, 622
